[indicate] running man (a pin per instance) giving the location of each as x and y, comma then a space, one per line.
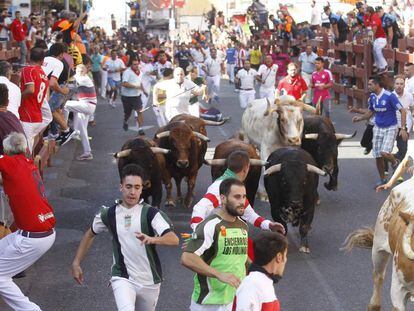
267, 78
321, 82
136, 228
114, 66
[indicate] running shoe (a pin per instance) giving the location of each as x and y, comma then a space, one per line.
85, 157
64, 138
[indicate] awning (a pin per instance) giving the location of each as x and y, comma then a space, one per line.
158, 24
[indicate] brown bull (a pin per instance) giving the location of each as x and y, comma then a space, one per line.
188, 148
218, 164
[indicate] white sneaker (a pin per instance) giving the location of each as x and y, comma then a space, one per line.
85, 157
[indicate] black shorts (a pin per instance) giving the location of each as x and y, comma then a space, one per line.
131, 103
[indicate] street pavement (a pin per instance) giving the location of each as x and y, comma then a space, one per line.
325, 280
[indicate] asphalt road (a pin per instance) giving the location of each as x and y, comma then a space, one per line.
325, 280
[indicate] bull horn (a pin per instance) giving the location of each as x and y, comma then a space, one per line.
308, 108
273, 169
318, 111
345, 136
313, 136
267, 108
406, 241
302, 98
201, 136
257, 162
159, 150
122, 154
215, 123
313, 169
215, 161
163, 134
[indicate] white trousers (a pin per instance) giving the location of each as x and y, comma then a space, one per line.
213, 86
307, 77
33, 129
200, 70
230, 71
198, 307
17, 253
82, 111
267, 93
104, 82
246, 97
128, 295
379, 58
160, 115
194, 110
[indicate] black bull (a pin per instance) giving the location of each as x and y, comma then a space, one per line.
291, 182
321, 141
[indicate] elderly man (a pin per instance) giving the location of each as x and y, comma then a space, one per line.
178, 92
35, 221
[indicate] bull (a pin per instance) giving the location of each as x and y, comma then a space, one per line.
321, 141
143, 152
393, 236
218, 164
188, 148
291, 181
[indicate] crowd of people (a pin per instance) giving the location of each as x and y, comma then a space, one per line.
66, 67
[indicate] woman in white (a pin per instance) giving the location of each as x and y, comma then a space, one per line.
82, 109
178, 92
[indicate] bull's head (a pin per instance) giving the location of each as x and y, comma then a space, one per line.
293, 184
181, 138
408, 233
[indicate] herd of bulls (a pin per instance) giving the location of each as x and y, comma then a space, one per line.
294, 149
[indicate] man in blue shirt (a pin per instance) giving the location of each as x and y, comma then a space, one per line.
390, 25
231, 61
384, 105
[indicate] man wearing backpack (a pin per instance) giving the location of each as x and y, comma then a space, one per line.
136, 228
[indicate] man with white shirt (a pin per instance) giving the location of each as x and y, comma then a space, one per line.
213, 67
148, 77
178, 92
114, 66
267, 78
162, 63
4, 27
198, 55
15, 94
307, 62
409, 81
245, 78
315, 21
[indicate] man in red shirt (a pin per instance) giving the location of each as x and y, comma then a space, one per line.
373, 23
293, 84
34, 111
33, 216
19, 35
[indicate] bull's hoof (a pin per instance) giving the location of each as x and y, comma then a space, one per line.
262, 196
304, 249
329, 187
170, 203
373, 307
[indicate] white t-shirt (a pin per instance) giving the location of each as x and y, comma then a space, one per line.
148, 78
4, 34
247, 78
268, 75
132, 78
32, 32
52, 66
197, 55
15, 96
407, 101
114, 65
409, 85
213, 66
161, 67
135, 257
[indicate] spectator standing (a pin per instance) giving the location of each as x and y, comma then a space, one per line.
19, 250
385, 105
360, 14
82, 109
213, 67
19, 35
224, 270
5, 22
256, 291
390, 26
373, 23
96, 59
321, 82
114, 66
315, 21
307, 64
34, 111
281, 60
131, 93
15, 94
137, 228
245, 78
267, 78
255, 57
293, 84
231, 54
339, 29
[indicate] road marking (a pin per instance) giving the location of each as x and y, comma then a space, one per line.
330, 294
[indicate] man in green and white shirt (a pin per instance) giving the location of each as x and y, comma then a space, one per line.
136, 228
217, 252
